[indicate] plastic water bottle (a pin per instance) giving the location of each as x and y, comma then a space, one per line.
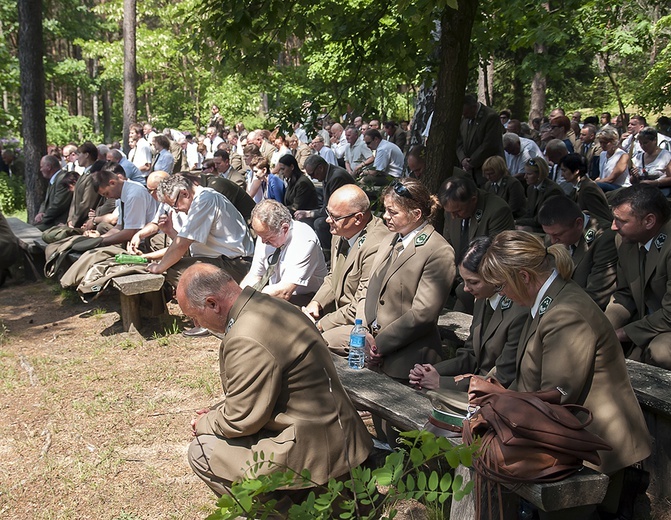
129, 259
357, 346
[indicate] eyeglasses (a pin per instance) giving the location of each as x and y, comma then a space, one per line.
338, 219
174, 206
402, 190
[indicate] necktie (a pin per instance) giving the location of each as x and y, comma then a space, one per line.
121, 214
495, 185
341, 257
463, 239
643, 252
486, 318
272, 265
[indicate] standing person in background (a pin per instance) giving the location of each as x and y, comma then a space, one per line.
140, 154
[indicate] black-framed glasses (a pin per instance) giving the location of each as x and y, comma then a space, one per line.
174, 205
402, 190
338, 219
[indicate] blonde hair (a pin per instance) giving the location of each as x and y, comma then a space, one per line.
540, 165
515, 251
496, 164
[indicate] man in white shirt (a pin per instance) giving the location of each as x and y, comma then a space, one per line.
338, 140
288, 259
324, 151
140, 156
356, 152
518, 151
214, 231
389, 160
211, 141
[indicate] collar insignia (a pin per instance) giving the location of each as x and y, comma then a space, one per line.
506, 303
362, 239
590, 235
659, 241
478, 215
543, 307
229, 325
421, 239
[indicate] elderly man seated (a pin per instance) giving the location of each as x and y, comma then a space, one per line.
288, 261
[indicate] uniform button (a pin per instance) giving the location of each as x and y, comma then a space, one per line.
381, 302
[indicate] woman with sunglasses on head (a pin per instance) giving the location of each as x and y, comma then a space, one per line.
539, 189
651, 165
412, 276
495, 331
568, 343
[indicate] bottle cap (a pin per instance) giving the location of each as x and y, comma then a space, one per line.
358, 321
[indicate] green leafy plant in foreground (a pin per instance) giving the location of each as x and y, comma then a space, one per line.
413, 472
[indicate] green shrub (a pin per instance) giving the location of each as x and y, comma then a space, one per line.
12, 194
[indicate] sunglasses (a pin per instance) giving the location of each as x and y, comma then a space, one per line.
401, 190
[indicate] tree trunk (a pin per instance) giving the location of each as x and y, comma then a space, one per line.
455, 38
486, 82
95, 97
519, 91
426, 101
33, 110
107, 115
129, 69
538, 88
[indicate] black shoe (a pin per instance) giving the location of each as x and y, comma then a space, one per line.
196, 332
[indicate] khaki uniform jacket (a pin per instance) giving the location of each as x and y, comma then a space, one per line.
339, 294
482, 138
56, 203
282, 395
495, 347
630, 305
595, 259
592, 199
492, 215
570, 344
535, 199
302, 152
412, 294
84, 199
512, 191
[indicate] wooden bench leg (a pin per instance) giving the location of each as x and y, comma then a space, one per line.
130, 312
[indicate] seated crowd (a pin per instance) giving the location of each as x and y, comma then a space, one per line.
554, 239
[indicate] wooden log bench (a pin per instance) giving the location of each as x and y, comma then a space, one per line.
408, 409
30, 241
140, 292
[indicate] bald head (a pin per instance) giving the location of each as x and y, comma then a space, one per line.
349, 211
206, 294
155, 178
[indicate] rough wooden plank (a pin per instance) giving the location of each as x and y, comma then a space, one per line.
130, 312
30, 238
454, 326
652, 386
138, 283
408, 409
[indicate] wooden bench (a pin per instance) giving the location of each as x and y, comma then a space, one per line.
140, 292
30, 241
408, 409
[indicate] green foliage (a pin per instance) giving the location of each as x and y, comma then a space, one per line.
409, 474
63, 128
12, 194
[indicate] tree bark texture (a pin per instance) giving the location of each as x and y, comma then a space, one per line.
455, 38
129, 69
33, 110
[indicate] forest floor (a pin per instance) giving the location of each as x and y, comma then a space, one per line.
95, 421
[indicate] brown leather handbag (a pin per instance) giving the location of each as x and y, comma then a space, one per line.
527, 436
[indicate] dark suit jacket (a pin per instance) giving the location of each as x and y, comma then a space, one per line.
495, 347
535, 199
591, 198
481, 138
399, 138
229, 189
595, 260
301, 194
283, 396
336, 177
56, 203
512, 191
412, 294
340, 292
84, 199
571, 345
633, 298
492, 215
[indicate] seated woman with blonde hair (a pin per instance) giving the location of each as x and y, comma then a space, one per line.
568, 343
501, 183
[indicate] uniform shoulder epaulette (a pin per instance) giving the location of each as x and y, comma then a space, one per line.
543, 307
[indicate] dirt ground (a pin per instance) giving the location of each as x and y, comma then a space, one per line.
94, 421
